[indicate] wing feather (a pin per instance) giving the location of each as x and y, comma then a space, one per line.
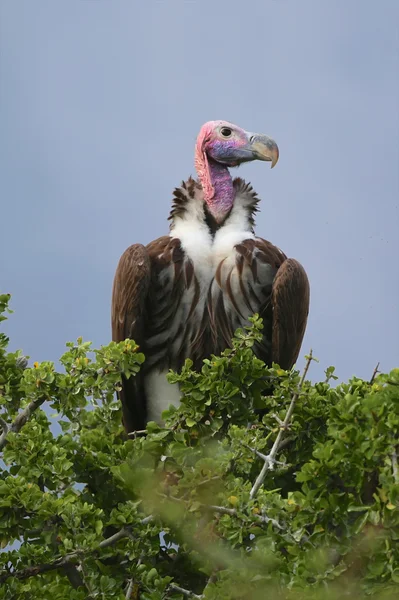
130, 289
285, 304
290, 301
148, 287
129, 295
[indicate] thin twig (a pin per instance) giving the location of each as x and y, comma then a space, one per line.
224, 510
266, 519
233, 513
129, 589
4, 426
138, 432
63, 561
264, 457
187, 593
21, 419
86, 582
395, 468
374, 373
131, 583
269, 460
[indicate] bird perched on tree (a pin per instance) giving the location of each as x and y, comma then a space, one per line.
184, 294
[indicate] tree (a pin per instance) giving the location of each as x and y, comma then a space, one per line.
260, 485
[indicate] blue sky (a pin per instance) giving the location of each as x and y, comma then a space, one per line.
100, 105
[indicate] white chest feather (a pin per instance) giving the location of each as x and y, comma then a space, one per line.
204, 250
214, 264
160, 394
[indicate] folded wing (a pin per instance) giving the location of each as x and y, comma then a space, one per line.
280, 287
290, 303
129, 295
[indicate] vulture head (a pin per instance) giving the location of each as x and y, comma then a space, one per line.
219, 145
230, 145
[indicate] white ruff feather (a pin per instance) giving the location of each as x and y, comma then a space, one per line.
196, 240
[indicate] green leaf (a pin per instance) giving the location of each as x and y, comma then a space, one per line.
99, 527
173, 503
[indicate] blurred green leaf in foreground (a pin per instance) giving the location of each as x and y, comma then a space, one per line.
261, 485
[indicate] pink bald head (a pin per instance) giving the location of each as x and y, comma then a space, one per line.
220, 145
211, 143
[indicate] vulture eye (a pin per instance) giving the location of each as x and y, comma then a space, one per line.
226, 132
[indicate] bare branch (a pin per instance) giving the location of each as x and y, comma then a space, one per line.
129, 589
269, 460
187, 593
142, 432
4, 426
280, 423
395, 468
265, 519
266, 457
233, 513
374, 373
86, 582
21, 419
224, 510
64, 561
137, 433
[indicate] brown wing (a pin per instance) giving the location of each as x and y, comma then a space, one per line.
290, 303
148, 287
284, 286
129, 294
131, 283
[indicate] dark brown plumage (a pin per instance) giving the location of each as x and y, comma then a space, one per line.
178, 301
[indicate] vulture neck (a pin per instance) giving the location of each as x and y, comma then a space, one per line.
218, 190
188, 216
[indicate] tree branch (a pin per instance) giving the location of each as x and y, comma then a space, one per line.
20, 420
137, 433
64, 561
4, 426
269, 460
395, 469
187, 593
233, 513
129, 589
374, 373
224, 510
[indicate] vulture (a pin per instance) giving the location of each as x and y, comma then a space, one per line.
184, 294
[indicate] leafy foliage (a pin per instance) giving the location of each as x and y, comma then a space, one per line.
86, 512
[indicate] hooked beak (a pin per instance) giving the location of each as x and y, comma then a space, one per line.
264, 148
